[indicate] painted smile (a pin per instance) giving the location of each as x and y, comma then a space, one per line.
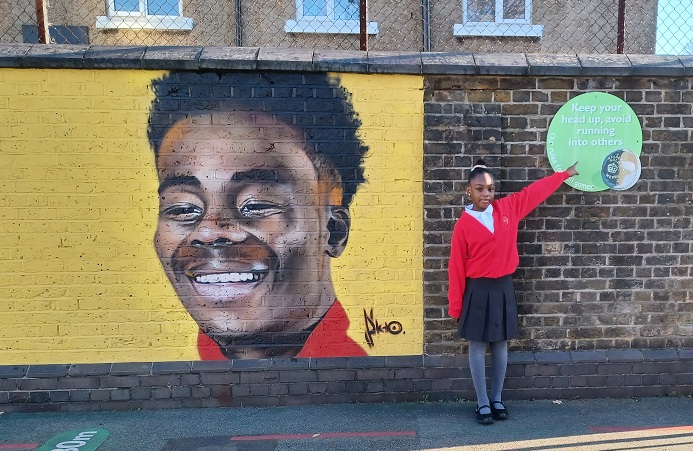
216, 285
222, 276
229, 277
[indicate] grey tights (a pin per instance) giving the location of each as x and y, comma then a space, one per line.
477, 366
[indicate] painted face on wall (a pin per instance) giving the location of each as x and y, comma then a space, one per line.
243, 227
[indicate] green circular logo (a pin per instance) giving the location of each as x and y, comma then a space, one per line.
601, 132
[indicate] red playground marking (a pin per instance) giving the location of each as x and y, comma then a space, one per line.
324, 435
18, 445
639, 428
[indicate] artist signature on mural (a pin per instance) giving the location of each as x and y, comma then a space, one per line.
373, 327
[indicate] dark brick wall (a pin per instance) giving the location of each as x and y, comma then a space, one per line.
605, 270
235, 383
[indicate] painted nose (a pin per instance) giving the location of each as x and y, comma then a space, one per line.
218, 233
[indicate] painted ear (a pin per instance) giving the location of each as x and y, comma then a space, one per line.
338, 226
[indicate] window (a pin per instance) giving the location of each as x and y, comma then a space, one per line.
145, 14
327, 16
497, 18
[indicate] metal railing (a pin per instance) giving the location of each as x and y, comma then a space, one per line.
530, 26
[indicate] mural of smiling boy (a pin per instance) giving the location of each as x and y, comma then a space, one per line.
178, 216
257, 172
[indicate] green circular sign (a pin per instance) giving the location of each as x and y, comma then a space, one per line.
603, 134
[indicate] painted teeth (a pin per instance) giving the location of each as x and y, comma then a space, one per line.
228, 277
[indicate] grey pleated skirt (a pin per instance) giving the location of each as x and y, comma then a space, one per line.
489, 311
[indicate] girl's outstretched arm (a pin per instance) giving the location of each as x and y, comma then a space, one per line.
529, 198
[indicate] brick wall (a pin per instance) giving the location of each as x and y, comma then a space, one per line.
604, 270
162, 385
605, 279
82, 237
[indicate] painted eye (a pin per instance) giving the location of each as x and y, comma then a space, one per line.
259, 209
183, 212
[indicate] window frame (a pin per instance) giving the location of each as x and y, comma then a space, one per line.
325, 24
500, 26
140, 20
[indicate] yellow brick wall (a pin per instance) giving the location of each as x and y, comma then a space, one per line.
80, 281
382, 267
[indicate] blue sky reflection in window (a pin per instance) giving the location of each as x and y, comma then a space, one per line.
154, 7
485, 10
332, 9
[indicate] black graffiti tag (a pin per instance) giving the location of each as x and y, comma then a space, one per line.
373, 327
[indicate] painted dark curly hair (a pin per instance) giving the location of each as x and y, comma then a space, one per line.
312, 103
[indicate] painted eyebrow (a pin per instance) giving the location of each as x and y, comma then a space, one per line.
253, 175
182, 180
260, 175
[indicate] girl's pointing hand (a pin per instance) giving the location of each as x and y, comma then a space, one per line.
573, 170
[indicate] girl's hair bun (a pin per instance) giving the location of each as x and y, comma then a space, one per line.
479, 164
478, 168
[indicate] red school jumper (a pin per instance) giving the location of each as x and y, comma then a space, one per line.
476, 252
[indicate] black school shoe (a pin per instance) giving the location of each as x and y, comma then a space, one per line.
483, 418
499, 414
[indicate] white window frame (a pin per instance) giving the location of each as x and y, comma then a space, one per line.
140, 20
325, 24
500, 26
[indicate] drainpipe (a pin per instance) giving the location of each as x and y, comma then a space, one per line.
42, 22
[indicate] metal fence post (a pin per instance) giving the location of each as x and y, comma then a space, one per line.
621, 38
42, 22
426, 24
363, 24
239, 24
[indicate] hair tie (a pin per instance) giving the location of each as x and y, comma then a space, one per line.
476, 166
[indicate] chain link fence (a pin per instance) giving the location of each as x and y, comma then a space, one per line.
530, 26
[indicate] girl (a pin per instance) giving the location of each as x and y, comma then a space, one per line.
483, 257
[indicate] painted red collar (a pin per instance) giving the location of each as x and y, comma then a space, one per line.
328, 339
